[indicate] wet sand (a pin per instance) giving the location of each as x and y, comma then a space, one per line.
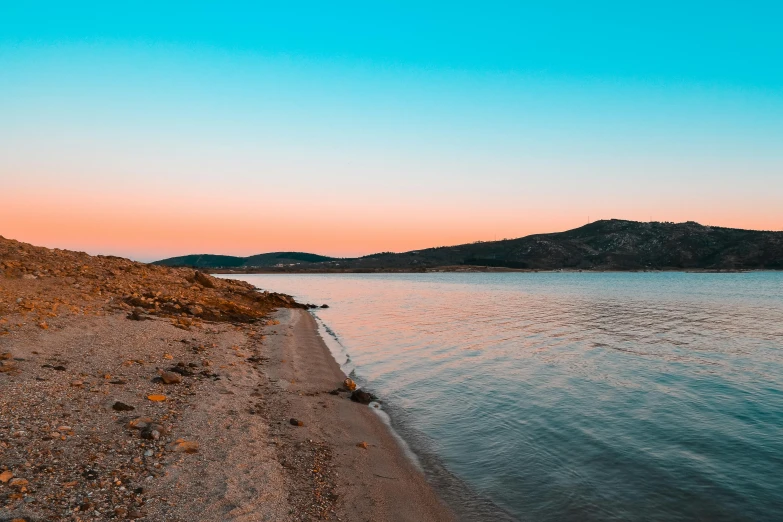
378, 483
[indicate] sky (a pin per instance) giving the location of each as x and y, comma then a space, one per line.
155, 129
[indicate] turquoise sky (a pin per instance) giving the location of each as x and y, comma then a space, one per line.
401, 124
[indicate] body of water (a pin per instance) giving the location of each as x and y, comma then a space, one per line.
573, 396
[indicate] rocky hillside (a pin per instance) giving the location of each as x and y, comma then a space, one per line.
75, 282
603, 245
609, 244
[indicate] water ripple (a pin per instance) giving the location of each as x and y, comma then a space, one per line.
560, 397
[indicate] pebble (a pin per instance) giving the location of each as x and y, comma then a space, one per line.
170, 377
139, 423
121, 406
186, 446
295, 422
151, 432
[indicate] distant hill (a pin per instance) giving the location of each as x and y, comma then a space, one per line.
261, 260
612, 244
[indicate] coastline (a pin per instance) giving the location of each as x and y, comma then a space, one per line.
151, 393
382, 482
478, 269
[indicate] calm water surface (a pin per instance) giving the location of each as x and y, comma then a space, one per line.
559, 396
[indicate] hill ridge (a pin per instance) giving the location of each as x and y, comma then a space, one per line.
258, 260
609, 244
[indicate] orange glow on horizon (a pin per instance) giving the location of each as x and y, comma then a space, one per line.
148, 227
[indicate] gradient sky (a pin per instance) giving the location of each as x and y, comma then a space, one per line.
149, 130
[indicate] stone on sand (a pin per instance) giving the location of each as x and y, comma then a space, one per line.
362, 397
121, 406
170, 377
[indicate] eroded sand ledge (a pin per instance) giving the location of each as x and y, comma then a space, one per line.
66, 452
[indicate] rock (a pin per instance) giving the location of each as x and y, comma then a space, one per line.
203, 279
148, 453
5, 476
139, 423
362, 397
90, 474
362, 445
5, 356
7, 366
335, 392
156, 398
324, 306
77, 384
349, 385
170, 377
186, 446
18, 482
121, 406
181, 369
137, 315
152, 431
295, 422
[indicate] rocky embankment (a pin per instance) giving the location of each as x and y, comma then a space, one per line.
41, 283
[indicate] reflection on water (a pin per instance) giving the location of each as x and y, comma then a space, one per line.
576, 396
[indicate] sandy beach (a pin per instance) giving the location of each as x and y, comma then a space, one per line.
136, 392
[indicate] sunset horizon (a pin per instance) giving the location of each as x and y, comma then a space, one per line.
350, 131
391, 261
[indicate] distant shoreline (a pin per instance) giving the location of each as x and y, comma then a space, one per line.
473, 269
